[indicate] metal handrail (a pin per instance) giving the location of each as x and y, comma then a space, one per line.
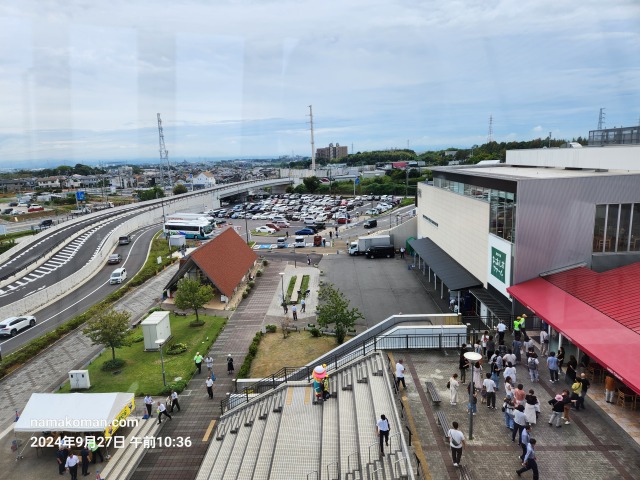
391, 438
337, 477
349, 470
312, 471
396, 466
369, 449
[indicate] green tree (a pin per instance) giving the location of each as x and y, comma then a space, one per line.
334, 310
311, 183
111, 329
192, 295
150, 194
179, 189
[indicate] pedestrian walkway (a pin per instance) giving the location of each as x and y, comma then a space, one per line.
199, 413
592, 446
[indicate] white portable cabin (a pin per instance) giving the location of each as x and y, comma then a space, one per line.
156, 327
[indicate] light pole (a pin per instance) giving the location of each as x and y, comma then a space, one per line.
472, 358
284, 303
160, 342
246, 227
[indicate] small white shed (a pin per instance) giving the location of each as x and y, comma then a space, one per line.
155, 327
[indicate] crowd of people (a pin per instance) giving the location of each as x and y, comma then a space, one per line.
521, 407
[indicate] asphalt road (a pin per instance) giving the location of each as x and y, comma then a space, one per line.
134, 256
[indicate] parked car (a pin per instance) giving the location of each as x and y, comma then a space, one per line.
343, 220
274, 226
281, 242
372, 211
7, 211
283, 223
13, 204
299, 242
35, 208
380, 251
372, 222
265, 229
10, 327
305, 231
114, 259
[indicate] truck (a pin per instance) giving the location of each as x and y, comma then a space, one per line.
360, 247
101, 206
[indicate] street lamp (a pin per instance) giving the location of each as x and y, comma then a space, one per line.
246, 227
160, 342
284, 303
472, 358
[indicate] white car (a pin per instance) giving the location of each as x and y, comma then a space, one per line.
372, 211
12, 325
265, 229
256, 217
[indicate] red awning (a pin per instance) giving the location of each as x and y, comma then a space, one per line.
604, 339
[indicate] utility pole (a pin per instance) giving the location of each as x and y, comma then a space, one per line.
601, 119
313, 148
164, 154
549, 139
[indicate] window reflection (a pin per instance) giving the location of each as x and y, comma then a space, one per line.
617, 228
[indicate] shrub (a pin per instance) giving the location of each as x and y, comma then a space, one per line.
177, 349
155, 309
271, 328
137, 338
245, 294
178, 386
251, 284
265, 262
111, 365
259, 273
253, 349
314, 332
196, 323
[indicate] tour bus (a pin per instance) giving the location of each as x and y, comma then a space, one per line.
199, 229
187, 217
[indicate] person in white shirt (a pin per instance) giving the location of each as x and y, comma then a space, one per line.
162, 410
509, 357
484, 340
456, 442
148, 402
510, 371
383, 432
501, 329
174, 400
490, 386
72, 465
208, 361
209, 384
400, 375
453, 389
544, 343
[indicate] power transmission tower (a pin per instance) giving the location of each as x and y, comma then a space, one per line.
490, 135
164, 154
313, 148
601, 119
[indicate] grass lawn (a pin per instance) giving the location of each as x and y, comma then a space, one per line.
298, 349
142, 372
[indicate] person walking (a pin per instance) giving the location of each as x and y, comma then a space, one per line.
477, 375
519, 422
148, 403
557, 409
308, 260
84, 455
463, 365
483, 342
576, 390
583, 393
509, 412
609, 388
495, 372
501, 329
490, 387
560, 357
400, 370
510, 371
208, 361
552, 363
198, 361
572, 366
61, 458
209, 385
566, 398
531, 407
174, 401
72, 465
472, 406
491, 347
532, 365
95, 450
529, 461
162, 410
509, 357
303, 306
230, 369
508, 388
517, 345
544, 343
519, 394
294, 312
525, 437
453, 389
383, 428
456, 442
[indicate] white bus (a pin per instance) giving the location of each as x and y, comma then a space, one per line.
199, 229
188, 217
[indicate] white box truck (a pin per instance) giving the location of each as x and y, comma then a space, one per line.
359, 247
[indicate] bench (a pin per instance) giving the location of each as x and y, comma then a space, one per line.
431, 388
443, 421
463, 473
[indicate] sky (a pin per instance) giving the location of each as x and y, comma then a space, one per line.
83, 81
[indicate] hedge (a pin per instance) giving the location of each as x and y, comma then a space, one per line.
248, 360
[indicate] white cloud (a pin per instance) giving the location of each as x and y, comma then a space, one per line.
234, 78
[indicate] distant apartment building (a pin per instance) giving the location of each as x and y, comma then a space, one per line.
332, 152
204, 180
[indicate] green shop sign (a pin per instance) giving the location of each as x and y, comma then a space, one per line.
498, 263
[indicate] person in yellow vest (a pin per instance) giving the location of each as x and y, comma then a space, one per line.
198, 361
95, 450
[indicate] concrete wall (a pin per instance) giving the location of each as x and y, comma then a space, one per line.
611, 157
462, 227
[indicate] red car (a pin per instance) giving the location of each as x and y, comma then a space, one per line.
342, 220
35, 208
274, 226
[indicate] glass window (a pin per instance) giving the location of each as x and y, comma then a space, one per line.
635, 228
598, 229
623, 227
611, 233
